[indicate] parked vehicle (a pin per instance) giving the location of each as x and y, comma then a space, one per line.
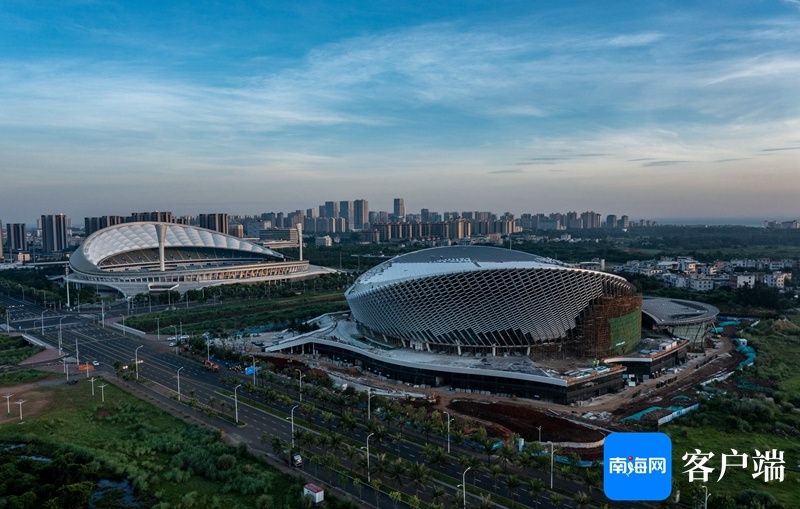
293, 459
212, 366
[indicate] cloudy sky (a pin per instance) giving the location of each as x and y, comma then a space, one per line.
651, 109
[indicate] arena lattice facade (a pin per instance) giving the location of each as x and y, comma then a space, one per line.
491, 301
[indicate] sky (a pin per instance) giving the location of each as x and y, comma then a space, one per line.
651, 109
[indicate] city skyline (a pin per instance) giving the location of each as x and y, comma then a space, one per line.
654, 111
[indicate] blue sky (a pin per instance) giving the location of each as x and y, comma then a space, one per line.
651, 109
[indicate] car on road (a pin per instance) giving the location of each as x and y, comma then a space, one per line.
95, 363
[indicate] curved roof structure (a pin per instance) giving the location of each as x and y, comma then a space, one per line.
129, 237
150, 256
486, 297
674, 312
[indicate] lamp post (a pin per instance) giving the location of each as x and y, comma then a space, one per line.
540, 433
102, 392
66, 370
208, 349
464, 486
123, 323
369, 404
449, 420
179, 383
158, 329
136, 359
301, 384
77, 358
20, 402
706, 494
43, 312
8, 326
8, 402
292, 418
368, 475
92, 380
87, 369
254, 369
59, 332
552, 448
236, 402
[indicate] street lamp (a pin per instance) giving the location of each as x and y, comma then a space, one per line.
87, 369
236, 402
292, 417
464, 486
43, 312
449, 420
92, 380
552, 449
254, 369
66, 370
59, 332
102, 392
368, 475
301, 384
158, 329
136, 359
706, 494
179, 382
20, 402
369, 403
123, 322
8, 402
77, 358
540, 433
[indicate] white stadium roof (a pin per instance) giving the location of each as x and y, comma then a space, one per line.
128, 237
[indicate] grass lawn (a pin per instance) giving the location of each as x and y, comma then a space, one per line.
757, 420
166, 459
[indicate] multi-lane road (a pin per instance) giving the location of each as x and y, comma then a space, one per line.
82, 336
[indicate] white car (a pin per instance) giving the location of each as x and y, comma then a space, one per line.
95, 363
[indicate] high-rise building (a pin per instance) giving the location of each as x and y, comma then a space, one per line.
217, 222
611, 221
160, 217
54, 233
360, 214
331, 209
93, 224
16, 239
399, 209
346, 213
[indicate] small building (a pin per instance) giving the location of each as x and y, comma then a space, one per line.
313, 491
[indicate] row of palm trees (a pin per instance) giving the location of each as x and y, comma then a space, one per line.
389, 421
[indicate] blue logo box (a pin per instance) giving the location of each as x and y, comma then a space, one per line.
637, 466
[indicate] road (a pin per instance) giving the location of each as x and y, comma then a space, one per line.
82, 337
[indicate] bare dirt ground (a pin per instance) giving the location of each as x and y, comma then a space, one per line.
35, 401
559, 423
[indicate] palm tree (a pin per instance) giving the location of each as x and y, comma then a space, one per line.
555, 499
535, 488
328, 418
485, 502
495, 471
512, 483
437, 494
397, 471
418, 474
582, 499
506, 453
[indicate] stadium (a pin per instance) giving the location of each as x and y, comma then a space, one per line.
474, 300
142, 257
